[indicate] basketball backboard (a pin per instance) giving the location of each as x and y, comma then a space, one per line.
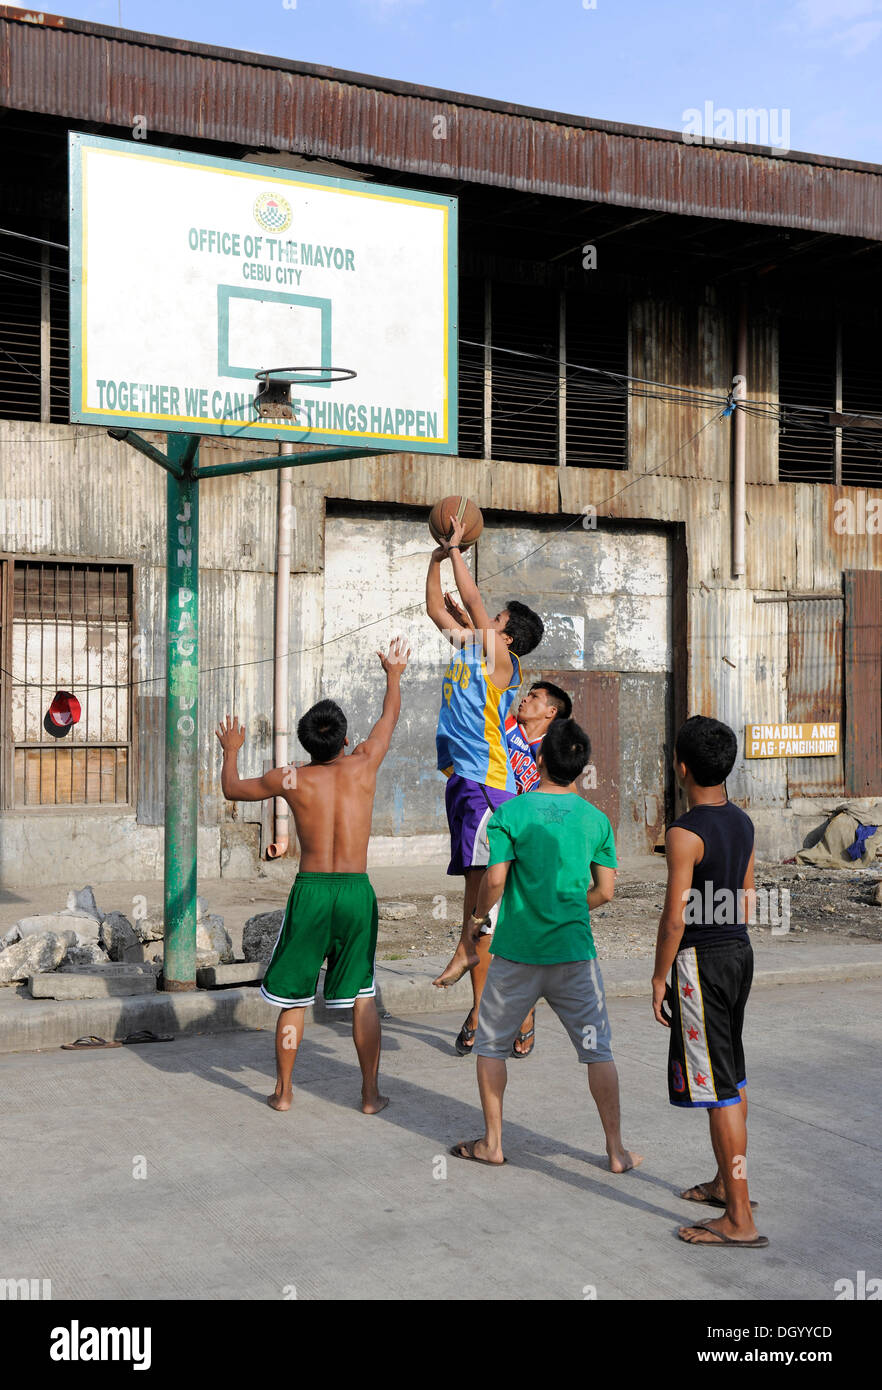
190, 274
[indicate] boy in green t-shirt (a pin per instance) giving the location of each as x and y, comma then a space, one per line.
552, 858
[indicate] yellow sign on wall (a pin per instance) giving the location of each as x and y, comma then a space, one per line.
791, 740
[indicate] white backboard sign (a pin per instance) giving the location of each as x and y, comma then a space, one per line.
189, 274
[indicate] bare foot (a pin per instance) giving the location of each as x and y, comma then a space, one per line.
523, 1049
710, 1193
704, 1191
622, 1161
479, 1152
280, 1102
708, 1232
374, 1105
461, 963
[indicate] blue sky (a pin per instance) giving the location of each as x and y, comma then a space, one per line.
637, 61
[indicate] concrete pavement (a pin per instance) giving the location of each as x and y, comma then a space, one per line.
240, 1202
403, 987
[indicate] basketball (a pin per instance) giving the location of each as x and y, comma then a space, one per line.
443, 513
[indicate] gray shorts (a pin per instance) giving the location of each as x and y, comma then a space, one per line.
574, 990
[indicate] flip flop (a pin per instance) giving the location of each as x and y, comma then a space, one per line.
86, 1044
465, 1038
707, 1198
758, 1243
145, 1036
522, 1038
471, 1156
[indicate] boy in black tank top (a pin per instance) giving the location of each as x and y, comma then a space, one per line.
703, 942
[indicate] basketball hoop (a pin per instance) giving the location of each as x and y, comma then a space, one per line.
273, 397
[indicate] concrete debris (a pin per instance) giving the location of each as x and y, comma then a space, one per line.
89, 953
239, 973
119, 938
212, 935
83, 924
34, 955
90, 984
396, 912
84, 901
150, 928
260, 933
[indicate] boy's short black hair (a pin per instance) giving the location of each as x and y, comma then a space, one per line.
566, 749
322, 731
557, 697
708, 748
525, 628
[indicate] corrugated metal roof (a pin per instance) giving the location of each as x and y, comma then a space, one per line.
92, 73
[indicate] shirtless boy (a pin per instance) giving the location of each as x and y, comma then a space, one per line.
332, 908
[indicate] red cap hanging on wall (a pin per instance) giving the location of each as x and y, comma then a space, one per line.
62, 714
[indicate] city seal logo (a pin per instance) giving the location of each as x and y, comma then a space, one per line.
272, 212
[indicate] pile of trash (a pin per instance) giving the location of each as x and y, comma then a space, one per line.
850, 839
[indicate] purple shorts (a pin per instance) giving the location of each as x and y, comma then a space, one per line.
469, 807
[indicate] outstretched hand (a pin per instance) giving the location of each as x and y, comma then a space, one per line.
442, 550
396, 657
457, 613
456, 533
231, 734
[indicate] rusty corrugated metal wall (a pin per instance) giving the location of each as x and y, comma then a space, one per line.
104, 501
92, 74
814, 689
863, 682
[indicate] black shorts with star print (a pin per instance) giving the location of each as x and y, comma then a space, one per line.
707, 996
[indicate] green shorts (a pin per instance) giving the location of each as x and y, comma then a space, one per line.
333, 917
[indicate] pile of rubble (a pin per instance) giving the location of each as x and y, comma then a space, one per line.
82, 936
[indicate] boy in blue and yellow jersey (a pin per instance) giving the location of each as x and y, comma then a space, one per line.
478, 690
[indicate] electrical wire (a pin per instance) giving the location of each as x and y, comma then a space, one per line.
40, 241
410, 608
623, 385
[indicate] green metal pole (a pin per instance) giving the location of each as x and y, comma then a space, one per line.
181, 715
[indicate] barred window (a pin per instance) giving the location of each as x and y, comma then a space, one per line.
69, 628
533, 383
828, 371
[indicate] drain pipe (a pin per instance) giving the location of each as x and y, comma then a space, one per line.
281, 810
739, 426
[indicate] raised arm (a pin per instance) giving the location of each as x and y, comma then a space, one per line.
376, 745
495, 650
235, 788
444, 614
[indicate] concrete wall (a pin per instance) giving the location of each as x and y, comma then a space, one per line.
604, 595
